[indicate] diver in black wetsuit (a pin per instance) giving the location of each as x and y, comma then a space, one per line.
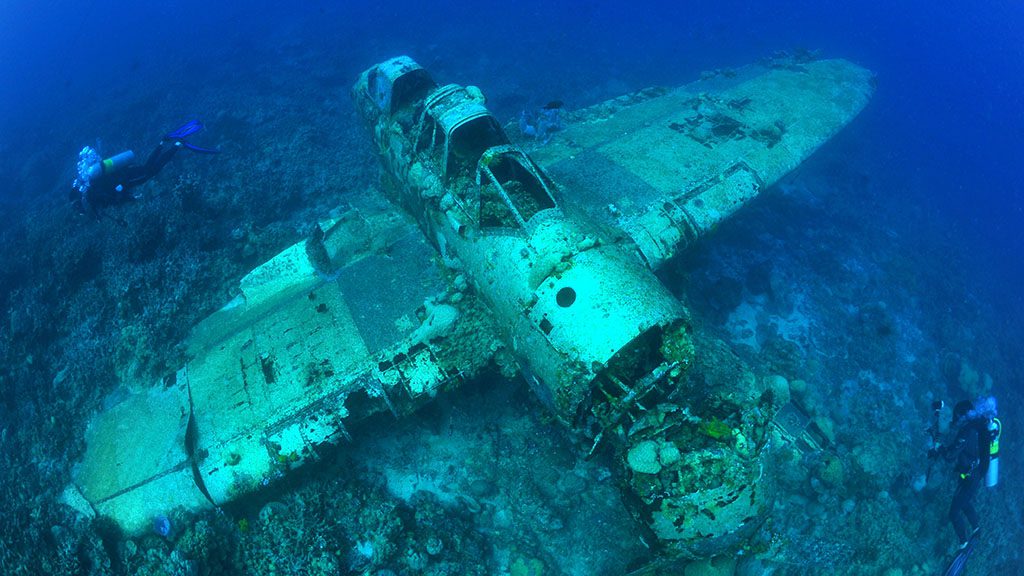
109, 182
969, 467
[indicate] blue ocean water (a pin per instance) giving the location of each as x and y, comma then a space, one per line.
924, 186
949, 75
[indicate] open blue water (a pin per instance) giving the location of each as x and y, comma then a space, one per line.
948, 110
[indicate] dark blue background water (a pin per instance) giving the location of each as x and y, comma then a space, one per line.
948, 117
940, 143
946, 124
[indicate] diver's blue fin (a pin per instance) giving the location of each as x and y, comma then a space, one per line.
956, 567
200, 149
185, 130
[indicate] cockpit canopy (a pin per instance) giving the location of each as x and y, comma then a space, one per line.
510, 189
458, 127
397, 83
495, 183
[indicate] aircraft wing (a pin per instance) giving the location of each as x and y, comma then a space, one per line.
667, 165
360, 320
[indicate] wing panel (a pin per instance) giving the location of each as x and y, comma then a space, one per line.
381, 284
688, 158
135, 471
304, 339
331, 330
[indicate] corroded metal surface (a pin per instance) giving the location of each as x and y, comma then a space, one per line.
496, 260
666, 166
285, 367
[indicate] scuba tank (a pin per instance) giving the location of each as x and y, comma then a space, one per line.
110, 165
995, 429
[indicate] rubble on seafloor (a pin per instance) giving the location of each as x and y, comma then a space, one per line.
482, 483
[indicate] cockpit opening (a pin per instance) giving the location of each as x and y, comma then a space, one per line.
398, 86
512, 189
411, 89
468, 141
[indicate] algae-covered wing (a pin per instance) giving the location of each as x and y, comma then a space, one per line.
359, 319
666, 166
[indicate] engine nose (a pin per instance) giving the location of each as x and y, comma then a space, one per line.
604, 310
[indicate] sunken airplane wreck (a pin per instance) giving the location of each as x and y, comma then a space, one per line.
541, 263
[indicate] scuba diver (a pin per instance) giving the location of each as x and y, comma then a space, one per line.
109, 182
975, 450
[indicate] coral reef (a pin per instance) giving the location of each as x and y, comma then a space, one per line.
823, 282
